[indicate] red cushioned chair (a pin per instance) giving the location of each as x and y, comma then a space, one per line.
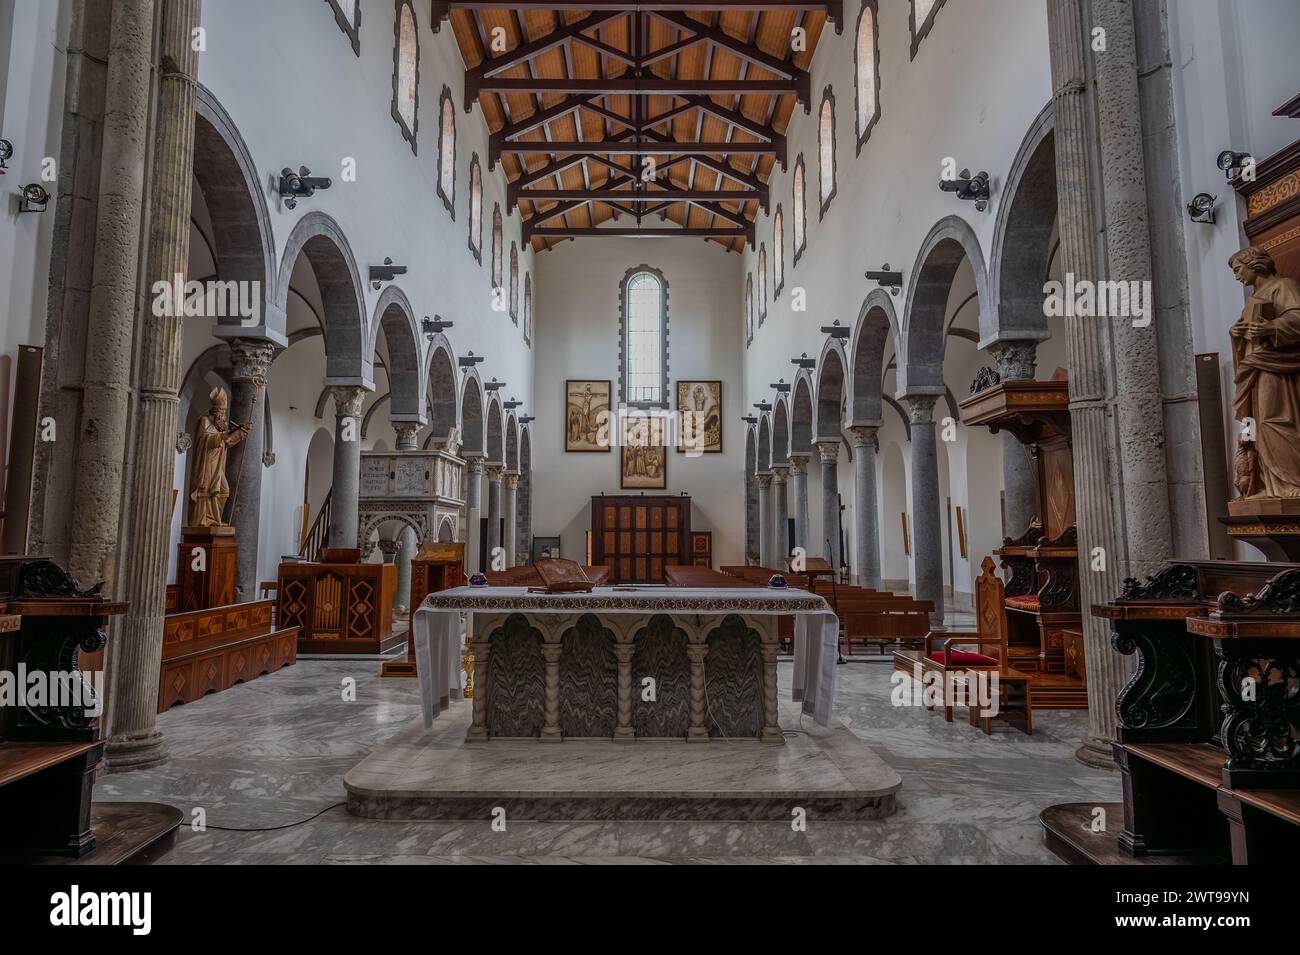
989, 638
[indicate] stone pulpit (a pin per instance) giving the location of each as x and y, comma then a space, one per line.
423, 489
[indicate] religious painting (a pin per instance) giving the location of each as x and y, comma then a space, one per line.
544, 548
644, 454
699, 417
586, 415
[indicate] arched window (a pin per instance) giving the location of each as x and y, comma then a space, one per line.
866, 70
643, 320
528, 309
406, 71
514, 282
347, 14
496, 245
922, 20
778, 253
826, 150
762, 282
749, 307
476, 209
447, 151
800, 209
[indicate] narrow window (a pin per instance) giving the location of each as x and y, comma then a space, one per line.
826, 150
347, 14
496, 246
644, 366
406, 71
800, 217
476, 209
778, 253
447, 151
514, 283
762, 283
866, 66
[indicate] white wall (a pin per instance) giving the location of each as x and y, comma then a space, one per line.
578, 293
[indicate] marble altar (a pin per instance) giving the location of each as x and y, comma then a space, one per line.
619, 664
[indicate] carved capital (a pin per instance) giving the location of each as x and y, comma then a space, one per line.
494, 472
250, 360
407, 432
389, 549
184, 441
864, 436
829, 451
1017, 360
268, 459
920, 408
348, 400
512, 481
799, 463
778, 474
474, 464
764, 480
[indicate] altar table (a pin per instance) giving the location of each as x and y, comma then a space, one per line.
682, 662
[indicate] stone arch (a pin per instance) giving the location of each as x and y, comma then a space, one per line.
440, 375
512, 443
321, 239
876, 321
951, 241
243, 241
831, 379
764, 443
781, 432
471, 415
395, 318
1022, 247
801, 413
446, 530
495, 446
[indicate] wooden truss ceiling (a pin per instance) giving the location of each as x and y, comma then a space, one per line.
578, 94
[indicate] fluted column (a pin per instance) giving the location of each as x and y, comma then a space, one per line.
829, 545
866, 507
250, 362
927, 532
799, 486
473, 510
110, 334
407, 435
780, 516
346, 494
493, 510
1016, 361
764, 519
509, 511
134, 656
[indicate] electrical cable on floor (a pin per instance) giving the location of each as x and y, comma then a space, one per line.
287, 825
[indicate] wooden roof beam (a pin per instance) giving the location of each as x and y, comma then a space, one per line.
630, 85
620, 148
719, 232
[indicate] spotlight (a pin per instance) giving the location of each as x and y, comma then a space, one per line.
749, 419
33, 198
1201, 208
385, 273
512, 404
527, 418
6, 150
300, 185
763, 405
970, 188
1233, 163
803, 361
893, 281
433, 326
837, 331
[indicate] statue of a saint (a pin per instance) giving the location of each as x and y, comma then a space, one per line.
1266, 358
214, 436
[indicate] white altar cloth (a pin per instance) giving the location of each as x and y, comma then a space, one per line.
437, 629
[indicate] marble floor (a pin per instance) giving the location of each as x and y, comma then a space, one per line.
254, 762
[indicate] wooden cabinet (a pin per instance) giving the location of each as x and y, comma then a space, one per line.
338, 607
638, 536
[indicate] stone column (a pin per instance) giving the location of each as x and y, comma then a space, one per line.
346, 494
473, 508
250, 360
551, 649
624, 649
134, 655
510, 512
388, 551
110, 334
770, 643
493, 510
829, 545
799, 482
866, 507
1016, 361
407, 435
764, 519
407, 545
481, 646
926, 529
1101, 193
780, 517
697, 650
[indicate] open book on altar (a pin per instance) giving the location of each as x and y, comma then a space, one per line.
561, 576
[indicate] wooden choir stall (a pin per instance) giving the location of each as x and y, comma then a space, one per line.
440, 565
338, 604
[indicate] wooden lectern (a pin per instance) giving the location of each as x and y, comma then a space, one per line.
440, 565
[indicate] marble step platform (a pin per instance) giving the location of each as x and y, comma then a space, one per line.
434, 774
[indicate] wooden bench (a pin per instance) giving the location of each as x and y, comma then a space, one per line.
687, 575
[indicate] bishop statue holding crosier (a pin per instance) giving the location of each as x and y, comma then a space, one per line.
214, 436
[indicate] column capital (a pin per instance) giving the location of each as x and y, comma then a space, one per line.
779, 473
389, 549
474, 463
348, 400
829, 451
512, 480
494, 472
250, 360
406, 435
920, 408
1017, 359
764, 479
799, 462
864, 435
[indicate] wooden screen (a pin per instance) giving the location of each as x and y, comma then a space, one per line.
637, 537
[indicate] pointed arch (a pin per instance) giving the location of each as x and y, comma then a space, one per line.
801, 413
781, 431
473, 431
495, 432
